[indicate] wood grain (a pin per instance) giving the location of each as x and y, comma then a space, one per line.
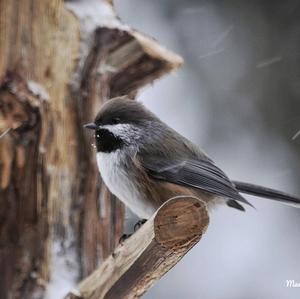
34, 76
56, 69
146, 256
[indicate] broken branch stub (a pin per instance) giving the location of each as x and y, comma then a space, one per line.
147, 255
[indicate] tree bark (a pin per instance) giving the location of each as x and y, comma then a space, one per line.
58, 63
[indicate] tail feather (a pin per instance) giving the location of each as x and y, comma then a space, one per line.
267, 193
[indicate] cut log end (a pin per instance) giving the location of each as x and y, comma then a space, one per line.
179, 222
151, 252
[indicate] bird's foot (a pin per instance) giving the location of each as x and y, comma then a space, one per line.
138, 225
124, 237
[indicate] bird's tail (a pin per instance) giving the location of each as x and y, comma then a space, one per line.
264, 192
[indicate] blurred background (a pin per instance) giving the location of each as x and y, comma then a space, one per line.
237, 96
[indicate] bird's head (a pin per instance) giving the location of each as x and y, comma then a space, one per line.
120, 122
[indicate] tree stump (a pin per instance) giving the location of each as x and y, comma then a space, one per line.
59, 61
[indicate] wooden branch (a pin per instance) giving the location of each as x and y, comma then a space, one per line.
149, 253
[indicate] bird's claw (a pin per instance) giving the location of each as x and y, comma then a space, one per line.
138, 225
124, 237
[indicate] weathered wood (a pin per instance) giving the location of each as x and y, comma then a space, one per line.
114, 60
57, 66
34, 76
149, 253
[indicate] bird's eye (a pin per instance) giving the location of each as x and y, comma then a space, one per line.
115, 120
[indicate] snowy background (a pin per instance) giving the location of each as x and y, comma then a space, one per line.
237, 96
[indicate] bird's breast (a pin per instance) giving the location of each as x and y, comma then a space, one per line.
118, 173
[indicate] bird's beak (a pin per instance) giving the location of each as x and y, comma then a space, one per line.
91, 126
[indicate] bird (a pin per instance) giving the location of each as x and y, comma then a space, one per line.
144, 163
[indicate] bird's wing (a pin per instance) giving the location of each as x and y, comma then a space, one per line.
200, 173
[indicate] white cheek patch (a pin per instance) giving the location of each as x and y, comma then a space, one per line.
126, 132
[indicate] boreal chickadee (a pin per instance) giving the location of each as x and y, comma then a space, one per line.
144, 163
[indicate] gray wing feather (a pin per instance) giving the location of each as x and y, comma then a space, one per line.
170, 157
201, 174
